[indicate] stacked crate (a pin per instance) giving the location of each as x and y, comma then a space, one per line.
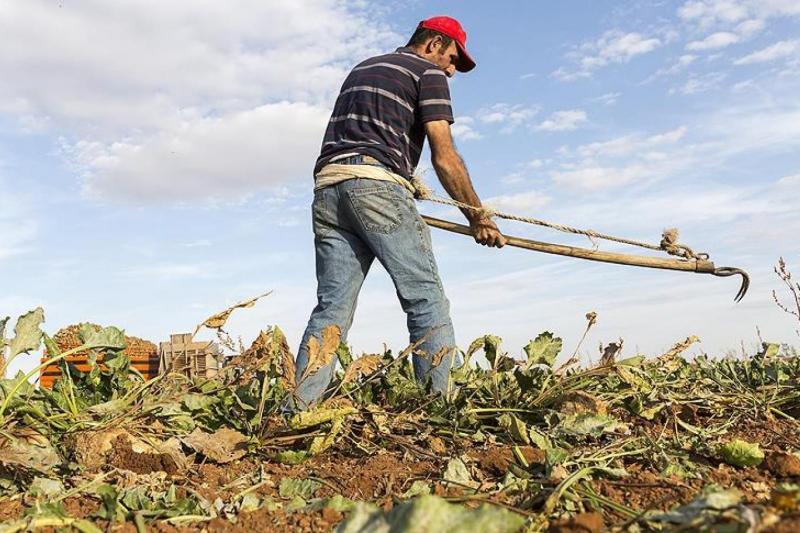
143, 355
185, 356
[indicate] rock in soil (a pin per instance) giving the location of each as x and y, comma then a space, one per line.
581, 523
783, 464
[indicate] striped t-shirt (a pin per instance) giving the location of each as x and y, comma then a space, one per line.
382, 107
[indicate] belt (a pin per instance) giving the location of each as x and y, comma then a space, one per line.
358, 159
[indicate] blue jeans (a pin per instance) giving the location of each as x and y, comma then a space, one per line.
356, 221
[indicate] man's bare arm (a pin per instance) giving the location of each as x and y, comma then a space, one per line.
455, 179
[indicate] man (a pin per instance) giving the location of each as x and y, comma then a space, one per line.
363, 197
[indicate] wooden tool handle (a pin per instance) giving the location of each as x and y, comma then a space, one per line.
583, 253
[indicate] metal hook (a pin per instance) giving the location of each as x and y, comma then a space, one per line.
731, 271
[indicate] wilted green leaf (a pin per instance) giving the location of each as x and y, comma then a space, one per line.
770, 350
108, 337
539, 439
27, 332
590, 424
491, 348
291, 487
320, 444
713, 498
458, 472
544, 349
198, 402
741, 453
41, 456
111, 510
315, 417
634, 377
292, 457
431, 513
515, 427
3, 342
418, 488
222, 446
42, 486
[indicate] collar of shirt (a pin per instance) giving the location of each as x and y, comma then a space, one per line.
410, 51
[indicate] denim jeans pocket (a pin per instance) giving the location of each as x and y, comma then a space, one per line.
377, 208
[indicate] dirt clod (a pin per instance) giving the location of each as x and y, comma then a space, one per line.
580, 523
124, 457
783, 464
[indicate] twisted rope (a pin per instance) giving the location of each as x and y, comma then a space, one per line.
669, 239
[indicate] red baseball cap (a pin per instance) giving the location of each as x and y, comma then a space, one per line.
452, 28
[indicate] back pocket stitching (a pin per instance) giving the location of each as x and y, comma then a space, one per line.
358, 206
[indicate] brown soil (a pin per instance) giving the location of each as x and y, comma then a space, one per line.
789, 524
645, 489
122, 456
581, 523
495, 460
783, 464
10, 510
263, 520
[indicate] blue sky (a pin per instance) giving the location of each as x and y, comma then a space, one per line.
155, 162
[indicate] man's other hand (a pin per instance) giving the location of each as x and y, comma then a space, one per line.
485, 232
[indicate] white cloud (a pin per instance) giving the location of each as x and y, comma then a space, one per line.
748, 15
699, 83
749, 28
607, 98
630, 144
462, 129
789, 181
614, 46
711, 12
679, 65
778, 50
180, 75
715, 41
519, 203
227, 156
594, 178
508, 115
563, 120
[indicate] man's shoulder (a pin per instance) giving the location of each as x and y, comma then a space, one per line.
399, 57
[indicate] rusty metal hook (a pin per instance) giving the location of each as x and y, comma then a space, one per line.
731, 271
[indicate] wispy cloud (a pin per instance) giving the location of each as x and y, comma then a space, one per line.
509, 116
201, 92
699, 83
776, 51
614, 46
522, 202
715, 41
463, 129
566, 120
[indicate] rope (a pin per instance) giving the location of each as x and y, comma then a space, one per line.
669, 239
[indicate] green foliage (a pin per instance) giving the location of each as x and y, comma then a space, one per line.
304, 488
568, 424
27, 333
741, 453
544, 349
431, 513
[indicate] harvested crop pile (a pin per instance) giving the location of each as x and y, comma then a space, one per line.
647, 444
140, 353
69, 337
